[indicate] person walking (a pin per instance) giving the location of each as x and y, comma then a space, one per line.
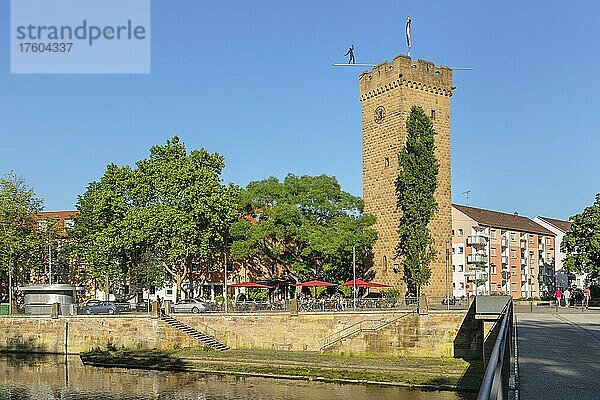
587, 293
567, 297
558, 294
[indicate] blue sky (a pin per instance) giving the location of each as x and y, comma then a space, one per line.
253, 80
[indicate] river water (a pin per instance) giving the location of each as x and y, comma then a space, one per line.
57, 377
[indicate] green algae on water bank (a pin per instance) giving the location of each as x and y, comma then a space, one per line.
435, 373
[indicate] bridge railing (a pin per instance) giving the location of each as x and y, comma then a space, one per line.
495, 385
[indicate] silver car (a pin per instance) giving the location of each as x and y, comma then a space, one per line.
189, 306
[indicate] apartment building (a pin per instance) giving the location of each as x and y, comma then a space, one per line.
560, 228
495, 252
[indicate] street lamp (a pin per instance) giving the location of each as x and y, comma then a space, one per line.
227, 246
354, 276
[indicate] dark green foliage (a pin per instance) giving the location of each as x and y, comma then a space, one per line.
19, 238
415, 189
170, 211
306, 224
582, 243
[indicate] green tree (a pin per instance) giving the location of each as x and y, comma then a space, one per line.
182, 211
582, 243
415, 189
307, 225
18, 234
102, 238
170, 211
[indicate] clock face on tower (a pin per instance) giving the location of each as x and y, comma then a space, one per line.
379, 114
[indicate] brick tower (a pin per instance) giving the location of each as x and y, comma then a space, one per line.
387, 94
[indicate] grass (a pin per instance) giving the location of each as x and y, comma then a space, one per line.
411, 371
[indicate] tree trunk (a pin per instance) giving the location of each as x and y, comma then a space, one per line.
178, 281
106, 288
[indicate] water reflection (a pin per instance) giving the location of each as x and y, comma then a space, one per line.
56, 377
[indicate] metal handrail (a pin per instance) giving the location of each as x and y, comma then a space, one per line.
495, 383
357, 327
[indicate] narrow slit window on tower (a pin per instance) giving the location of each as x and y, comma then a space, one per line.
384, 263
386, 162
433, 115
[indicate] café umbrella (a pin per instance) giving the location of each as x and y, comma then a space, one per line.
315, 284
250, 285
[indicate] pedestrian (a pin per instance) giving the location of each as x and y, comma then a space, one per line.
159, 303
558, 294
567, 297
587, 293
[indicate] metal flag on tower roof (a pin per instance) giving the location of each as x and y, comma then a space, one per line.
408, 34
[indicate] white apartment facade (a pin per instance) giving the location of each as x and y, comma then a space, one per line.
495, 252
560, 228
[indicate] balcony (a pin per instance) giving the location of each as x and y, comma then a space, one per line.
523, 261
476, 259
476, 240
504, 260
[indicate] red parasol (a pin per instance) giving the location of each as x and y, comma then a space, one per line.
250, 285
361, 283
374, 284
315, 283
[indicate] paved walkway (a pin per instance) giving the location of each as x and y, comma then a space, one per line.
559, 355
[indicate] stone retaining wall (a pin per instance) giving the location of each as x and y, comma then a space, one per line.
435, 334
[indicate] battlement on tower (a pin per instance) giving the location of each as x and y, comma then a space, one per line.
403, 71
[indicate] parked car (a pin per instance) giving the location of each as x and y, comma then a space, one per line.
142, 306
189, 305
103, 307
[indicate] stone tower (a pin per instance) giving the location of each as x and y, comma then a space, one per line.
387, 94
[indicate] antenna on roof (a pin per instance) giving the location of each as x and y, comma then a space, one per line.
467, 195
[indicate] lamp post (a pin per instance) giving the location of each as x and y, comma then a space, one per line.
447, 280
225, 278
354, 275
10, 300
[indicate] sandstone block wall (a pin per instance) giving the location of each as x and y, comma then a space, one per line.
387, 94
432, 335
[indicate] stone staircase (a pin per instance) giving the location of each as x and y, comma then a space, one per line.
366, 325
199, 336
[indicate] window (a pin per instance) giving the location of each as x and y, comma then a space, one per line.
452, 232
433, 115
548, 256
513, 237
42, 225
513, 287
462, 286
530, 239
493, 234
453, 250
169, 291
493, 251
548, 242
513, 253
69, 223
493, 269
384, 263
386, 162
453, 268
531, 255
460, 249
460, 268
453, 285
460, 233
